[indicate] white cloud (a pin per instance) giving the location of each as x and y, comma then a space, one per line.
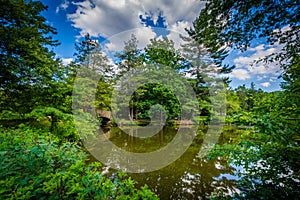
106, 18
265, 84
67, 61
283, 29
63, 6
273, 79
257, 48
173, 10
259, 78
143, 35
240, 74
247, 67
259, 52
177, 29
263, 69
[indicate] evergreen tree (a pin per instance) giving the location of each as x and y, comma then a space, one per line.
95, 75
130, 57
28, 67
236, 24
204, 68
89, 55
163, 52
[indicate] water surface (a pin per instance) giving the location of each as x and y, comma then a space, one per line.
189, 177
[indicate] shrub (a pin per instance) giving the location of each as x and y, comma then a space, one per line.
34, 165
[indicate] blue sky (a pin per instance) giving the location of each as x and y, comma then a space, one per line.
116, 20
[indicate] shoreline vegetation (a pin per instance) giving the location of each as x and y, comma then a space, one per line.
43, 101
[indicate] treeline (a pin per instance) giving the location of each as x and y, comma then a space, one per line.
49, 96
38, 90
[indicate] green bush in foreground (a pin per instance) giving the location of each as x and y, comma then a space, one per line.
34, 165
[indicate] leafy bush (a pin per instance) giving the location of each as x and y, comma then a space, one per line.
61, 124
268, 160
34, 165
9, 115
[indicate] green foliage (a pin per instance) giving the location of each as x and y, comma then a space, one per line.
27, 66
130, 57
93, 84
34, 86
9, 115
267, 165
42, 113
89, 55
270, 155
34, 165
238, 22
61, 124
154, 94
163, 52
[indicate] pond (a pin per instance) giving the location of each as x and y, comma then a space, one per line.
188, 177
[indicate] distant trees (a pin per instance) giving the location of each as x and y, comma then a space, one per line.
134, 61
199, 66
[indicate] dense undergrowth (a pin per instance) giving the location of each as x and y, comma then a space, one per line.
37, 165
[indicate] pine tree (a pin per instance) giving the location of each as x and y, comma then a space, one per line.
27, 66
130, 57
89, 55
94, 77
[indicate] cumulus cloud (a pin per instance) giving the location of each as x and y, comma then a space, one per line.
176, 30
259, 78
240, 74
261, 70
265, 84
260, 51
143, 35
106, 18
67, 61
271, 69
273, 79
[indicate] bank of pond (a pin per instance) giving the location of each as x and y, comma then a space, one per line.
36, 163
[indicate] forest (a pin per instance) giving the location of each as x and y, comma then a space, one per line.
43, 102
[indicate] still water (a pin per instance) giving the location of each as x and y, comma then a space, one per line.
188, 177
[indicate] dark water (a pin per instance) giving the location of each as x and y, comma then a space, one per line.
189, 177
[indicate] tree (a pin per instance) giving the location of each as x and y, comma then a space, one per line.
198, 57
163, 52
152, 94
95, 73
236, 24
232, 106
27, 66
130, 57
203, 69
89, 55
